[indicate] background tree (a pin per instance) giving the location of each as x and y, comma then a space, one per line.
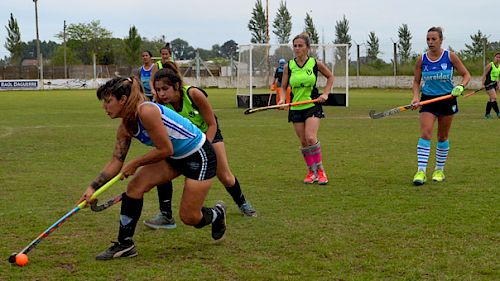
282, 24
133, 46
13, 41
309, 28
86, 39
258, 24
154, 45
404, 44
229, 50
342, 32
181, 50
373, 49
475, 51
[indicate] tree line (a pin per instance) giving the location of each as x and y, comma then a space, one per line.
83, 40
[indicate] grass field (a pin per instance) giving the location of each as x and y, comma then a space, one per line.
369, 223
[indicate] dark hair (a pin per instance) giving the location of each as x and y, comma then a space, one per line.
149, 52
166, 47
171, 73
304, 36
497, 53
124, 86
437, 29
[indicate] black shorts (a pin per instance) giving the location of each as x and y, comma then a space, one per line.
218, 136
439, 108
300, 116
490, 86
201, 165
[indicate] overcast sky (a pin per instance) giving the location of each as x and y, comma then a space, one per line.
205, 23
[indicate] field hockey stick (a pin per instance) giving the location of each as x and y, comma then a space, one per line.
478, 90
12, 258
399, 109
98, 208
253, 110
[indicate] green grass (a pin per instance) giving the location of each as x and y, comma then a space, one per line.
369, 223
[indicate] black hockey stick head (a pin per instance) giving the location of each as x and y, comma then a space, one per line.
12, 258
98, 208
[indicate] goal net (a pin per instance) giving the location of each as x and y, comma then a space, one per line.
257, 64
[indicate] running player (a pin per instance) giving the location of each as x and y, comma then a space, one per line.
178, 147
192, 103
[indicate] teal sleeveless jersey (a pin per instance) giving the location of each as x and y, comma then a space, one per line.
303, 82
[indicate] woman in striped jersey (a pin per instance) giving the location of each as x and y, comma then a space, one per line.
435, 67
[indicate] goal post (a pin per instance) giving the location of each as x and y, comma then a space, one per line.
257, 64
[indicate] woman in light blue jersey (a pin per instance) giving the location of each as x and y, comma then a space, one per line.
144, 74
435, 67
178, 147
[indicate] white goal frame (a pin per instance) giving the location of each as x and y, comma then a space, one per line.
262, 59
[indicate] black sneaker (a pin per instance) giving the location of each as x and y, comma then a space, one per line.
118, 250
219, 225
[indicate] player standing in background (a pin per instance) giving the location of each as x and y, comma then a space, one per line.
178, 147
435, 67
144, 74
301, 74
192, 103
490, 82
166, 56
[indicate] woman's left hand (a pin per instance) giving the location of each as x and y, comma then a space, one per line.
323, 98
129, 169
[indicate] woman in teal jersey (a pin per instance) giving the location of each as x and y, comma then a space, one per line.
178, 147
301, 74
144, 74
490, 82
192, 103
435, 67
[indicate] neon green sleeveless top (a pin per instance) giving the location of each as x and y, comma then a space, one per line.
495, 72
189, 111
160, 64
303, 82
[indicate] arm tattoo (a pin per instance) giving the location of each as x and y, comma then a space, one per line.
101, 179
121, 149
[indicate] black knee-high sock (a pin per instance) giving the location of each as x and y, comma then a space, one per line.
165, 198
208, 217
129, 215
236, 193
488, 107
494, 105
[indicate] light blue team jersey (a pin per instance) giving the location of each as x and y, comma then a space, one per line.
145, 76
437, 75
186, 138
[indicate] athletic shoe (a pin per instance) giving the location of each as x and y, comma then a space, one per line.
438, 176
161, 221
487, 116
322, 179
118, 250
247, 210
219, 225
419, 178
310, 178
498, 114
